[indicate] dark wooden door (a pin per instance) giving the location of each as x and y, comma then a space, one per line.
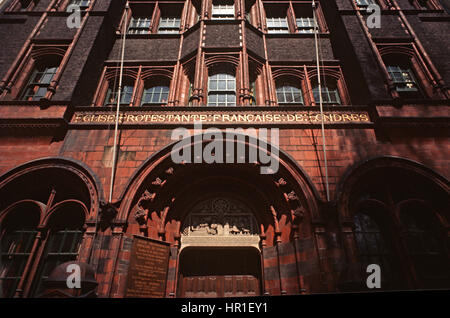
220, 286
219, 273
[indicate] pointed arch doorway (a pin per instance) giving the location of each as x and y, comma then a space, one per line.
220, 254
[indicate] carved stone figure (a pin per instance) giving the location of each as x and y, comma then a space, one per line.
140, 216
220, 217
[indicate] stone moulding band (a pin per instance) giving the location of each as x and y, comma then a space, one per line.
170, 117
220, 241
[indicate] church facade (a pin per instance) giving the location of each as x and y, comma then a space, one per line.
243, 160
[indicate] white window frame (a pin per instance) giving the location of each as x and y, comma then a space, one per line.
169, 25
227, 91
277, 25
221, 11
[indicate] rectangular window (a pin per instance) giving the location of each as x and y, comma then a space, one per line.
222, 90
139, 25
289, 94
330, 95
305, 25
169, 25
277, 25
39, 82
125, 95
155, 95
223, 10
403, 78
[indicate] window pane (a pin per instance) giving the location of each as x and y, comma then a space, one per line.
223, 10
403, 78
62, 246
231, 98
39, 81
221, 90
425, 247
212, 99
15, 249
371, 245
289, 94
305, 25
222, 85
213, 85
329, 95
277, 25
139, 25
156, 95
169, 25
298, 97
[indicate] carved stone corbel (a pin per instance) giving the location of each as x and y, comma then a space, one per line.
297, 215
161, 229
145, 199
107, 214
276, 223
280, 183
158, 182
291, 196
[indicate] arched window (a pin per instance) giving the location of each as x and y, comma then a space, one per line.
155, 93
40, 79
289, 93
35, 237
400, 225
403, 73
113, 91
17, 235
371, 244
330, 92
221, 89
424, 246
403, 78
62, 244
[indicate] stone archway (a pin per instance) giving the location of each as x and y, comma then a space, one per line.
161, 196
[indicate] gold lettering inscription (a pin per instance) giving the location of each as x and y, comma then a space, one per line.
262, 117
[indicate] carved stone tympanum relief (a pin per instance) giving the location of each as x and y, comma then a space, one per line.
220, 217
